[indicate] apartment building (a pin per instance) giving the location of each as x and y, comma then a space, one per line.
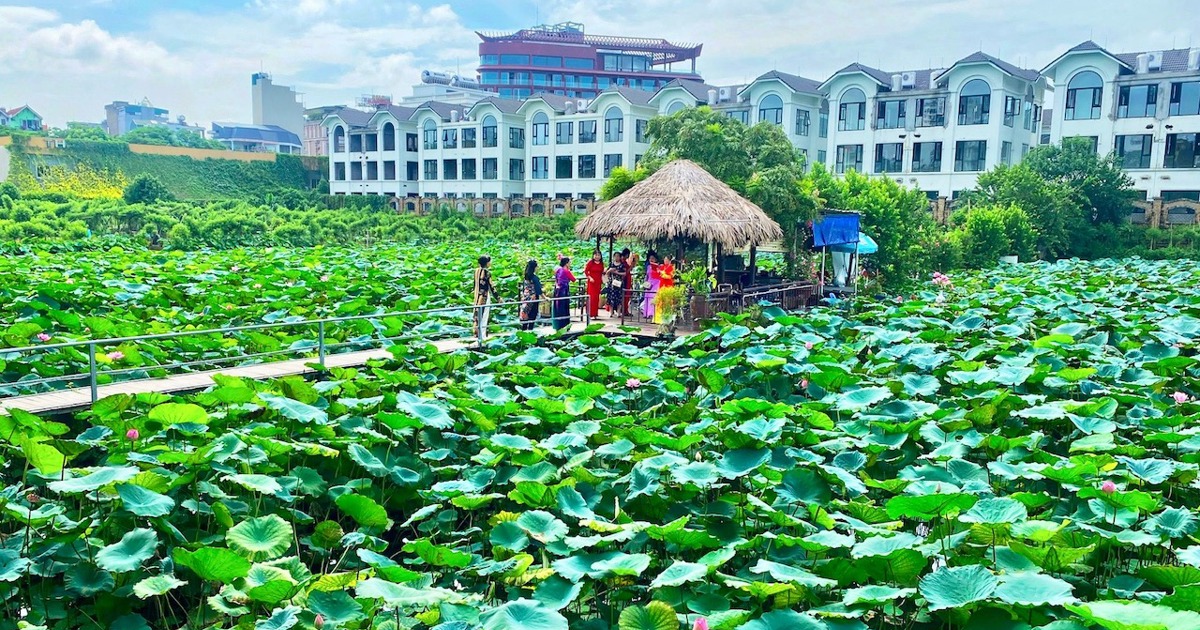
933, 129
1142, 106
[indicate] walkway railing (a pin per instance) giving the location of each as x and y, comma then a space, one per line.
699, 308
324, 336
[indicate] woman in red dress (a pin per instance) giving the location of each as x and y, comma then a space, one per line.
594, 272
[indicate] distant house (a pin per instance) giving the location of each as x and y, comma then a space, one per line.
23, 118
256, 138
3, 117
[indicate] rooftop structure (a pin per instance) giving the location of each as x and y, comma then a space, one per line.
256, 138
565, 60
275, 105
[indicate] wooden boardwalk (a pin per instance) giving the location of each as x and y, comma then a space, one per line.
78, 398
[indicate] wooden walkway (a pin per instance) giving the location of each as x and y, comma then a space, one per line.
78, 398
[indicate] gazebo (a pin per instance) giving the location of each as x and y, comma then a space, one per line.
682, 201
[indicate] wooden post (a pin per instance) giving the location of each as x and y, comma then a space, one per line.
753, 263
720, 263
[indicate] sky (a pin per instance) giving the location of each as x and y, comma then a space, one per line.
68, 58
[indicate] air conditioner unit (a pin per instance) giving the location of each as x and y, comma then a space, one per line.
908, 79
581, 105
726, 94
1154, 60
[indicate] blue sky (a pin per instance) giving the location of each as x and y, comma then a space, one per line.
67, 58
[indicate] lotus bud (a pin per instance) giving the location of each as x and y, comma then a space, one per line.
319, 621
701, 624
43, 337
1108, 487
32, 497
803, 383
808, 345
132, 434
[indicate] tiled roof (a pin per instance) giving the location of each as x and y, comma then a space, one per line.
982, 57
633, 95
505, 105
884, 78
557, 102
441, 109
400, 112
353, 117
697, 89
797, 83
240, 132
1174, 60
17, 110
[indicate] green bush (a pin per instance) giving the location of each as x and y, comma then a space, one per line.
147, 189
989, 232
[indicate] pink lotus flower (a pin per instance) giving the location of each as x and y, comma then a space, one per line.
701, 624
808, 345
319, 621
803, 383
132, 434
1108, 487
1180, 398
633, 383
325, 278
899, 299
43, 337
115, 355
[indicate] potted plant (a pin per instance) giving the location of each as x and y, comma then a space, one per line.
697, 283
668, 304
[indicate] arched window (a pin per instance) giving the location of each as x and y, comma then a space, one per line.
770, 109
852, 111
974, 103
429, 129
675, 107
541, 129
1085, 91
339, 139
614, 124
491, 133
389, 137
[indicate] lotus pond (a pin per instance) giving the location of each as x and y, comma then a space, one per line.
1020, 452
50, 298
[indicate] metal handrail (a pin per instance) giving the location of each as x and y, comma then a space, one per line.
321, 347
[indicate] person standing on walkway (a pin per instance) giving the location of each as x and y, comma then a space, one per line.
562, 292
630, 263
616, 284
652, 280
484, 291
594, 272
666, 280
531, 294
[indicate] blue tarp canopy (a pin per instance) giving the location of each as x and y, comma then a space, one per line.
866, 245
835, 229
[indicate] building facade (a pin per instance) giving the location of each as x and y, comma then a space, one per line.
23, 118
121, 117
562, 59
275, 105
933, 129
315, 138
256, 138
1142, 106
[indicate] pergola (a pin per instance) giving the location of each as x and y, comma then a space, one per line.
682, 201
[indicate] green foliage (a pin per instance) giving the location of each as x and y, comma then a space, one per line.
620, 180
164, 136
146, 189
989, 232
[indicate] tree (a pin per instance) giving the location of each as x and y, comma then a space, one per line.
86, 133
620, 180
150, 134
146, 189
1102, 189
1051, 206
991, 231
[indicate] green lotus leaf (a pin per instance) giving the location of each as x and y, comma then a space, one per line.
680, 573
875, 595
956, 587
170, 414
929, 506
280, 619
783, 620
557, 593
1034, 589
1130, 615
336, 607
402, 596
13, 566
652, 616
213, 564
97, 478
143, 502
293, 409
364, 510
83, 579
784, 573
134, 548
157, 585
995, 511
264, 538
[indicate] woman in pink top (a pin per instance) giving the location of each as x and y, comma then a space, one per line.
562, 290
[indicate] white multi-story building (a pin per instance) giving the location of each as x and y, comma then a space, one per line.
1144, 107
933, 129
546, 146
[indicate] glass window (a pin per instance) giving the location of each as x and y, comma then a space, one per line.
802, 122
587, 131
516, 169
970, 156
823, 124
516, 138
541, 168
770, 109
564, 132
889, 157
1181, 151
614, 125
468, 137
1084, 93
927, 157
389, 170
430, 170
547, 62
1012, 107
490, 168
931, 111
356, 144
389, 137
489, 60
849, 157
1185, 99
587, 166
339, 171
514, 60
580, 63
449, 169
675, 107
1133, 151
410, 142
639, 130
490, 132
974, 104
611, 161
821, 156
740, 115
410, 169
1006, 152
889, 114
492, 77
562, 167
430, 130
468, 169
541, 131
373, 171
1137, 101
1027, 119
852, 111
356, 171
339, 139
449, 138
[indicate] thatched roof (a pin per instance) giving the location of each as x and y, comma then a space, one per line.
681, 200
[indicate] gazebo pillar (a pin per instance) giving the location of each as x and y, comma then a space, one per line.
753, 263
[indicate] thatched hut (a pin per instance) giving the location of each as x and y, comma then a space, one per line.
681, 201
